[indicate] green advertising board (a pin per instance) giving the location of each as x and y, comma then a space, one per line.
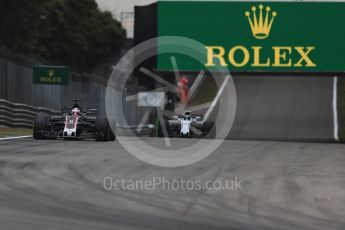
257, 36
51, 75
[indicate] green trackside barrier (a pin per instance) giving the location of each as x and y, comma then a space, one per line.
157, 127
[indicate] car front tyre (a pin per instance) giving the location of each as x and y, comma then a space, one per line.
103, 130
40, 126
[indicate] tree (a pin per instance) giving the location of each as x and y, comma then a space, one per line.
70, 32
19, 25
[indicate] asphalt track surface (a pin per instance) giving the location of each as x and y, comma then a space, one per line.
59, 185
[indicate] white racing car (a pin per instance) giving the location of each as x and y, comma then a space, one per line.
187, 125
73, 123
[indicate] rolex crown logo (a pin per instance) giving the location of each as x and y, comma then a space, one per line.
50, 72
261, 24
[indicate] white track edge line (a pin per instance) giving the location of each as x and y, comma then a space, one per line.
10, 138
335, 109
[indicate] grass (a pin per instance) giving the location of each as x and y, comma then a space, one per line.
13, 132
341, 108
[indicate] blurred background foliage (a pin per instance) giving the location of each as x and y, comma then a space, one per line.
66, 32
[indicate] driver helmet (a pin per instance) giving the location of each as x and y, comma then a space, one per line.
76, 112
187, 115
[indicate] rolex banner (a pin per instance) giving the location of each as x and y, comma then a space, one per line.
51, 75
257, 36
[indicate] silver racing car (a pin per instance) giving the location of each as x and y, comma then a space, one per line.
187, 125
